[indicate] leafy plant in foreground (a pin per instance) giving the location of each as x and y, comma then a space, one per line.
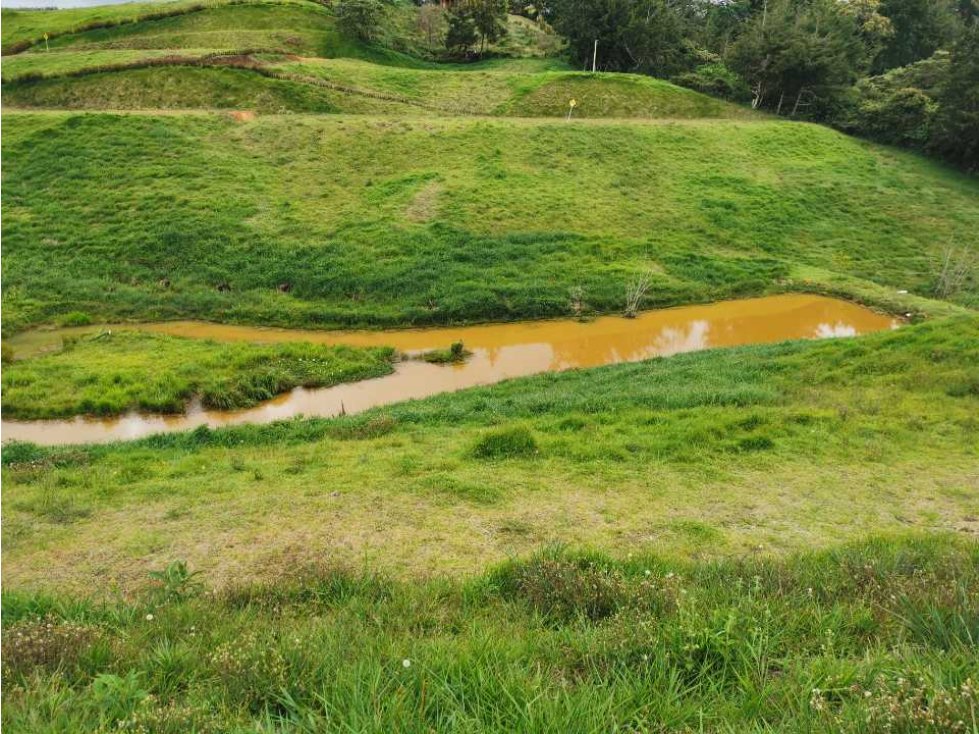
176, 582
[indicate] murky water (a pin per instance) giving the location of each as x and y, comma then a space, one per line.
499, 351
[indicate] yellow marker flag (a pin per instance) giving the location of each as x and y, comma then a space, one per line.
571, 105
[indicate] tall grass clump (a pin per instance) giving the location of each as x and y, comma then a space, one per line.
507, 443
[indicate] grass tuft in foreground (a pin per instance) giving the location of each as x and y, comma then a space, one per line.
875, 637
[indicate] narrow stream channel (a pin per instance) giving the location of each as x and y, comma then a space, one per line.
500, 351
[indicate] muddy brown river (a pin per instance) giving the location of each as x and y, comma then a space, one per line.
500, 351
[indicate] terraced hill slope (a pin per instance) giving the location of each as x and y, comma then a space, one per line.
412, 209
246, 162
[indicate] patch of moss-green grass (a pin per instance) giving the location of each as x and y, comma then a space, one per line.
394, 221
111, 373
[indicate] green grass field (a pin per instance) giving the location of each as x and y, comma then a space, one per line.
111, 373
763, 539
876, 637
332, 551
711, 453
448, 220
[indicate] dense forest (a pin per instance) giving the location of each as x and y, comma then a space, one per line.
904, 72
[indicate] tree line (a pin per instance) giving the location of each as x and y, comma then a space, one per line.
904, 72
465, 27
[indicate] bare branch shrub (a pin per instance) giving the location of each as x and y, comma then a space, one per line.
577, 296
957, 266
635, 292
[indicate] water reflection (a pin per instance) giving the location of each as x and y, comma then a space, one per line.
499, 351
830, 331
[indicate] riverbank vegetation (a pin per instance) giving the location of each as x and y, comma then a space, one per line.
112, 373
877, 636
736, 448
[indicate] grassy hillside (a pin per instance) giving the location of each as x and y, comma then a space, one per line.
201, 79
301, 28
29, 66
183, 87
305, 37
112, 373
24, 28
286, 26
72, 62
679, 544
876, 637
407, 220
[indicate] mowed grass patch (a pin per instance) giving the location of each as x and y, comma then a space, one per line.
23, 28
728, 452
506, 87
870, 637
184, 87
302, 27
518, 213
60, 63
111, 373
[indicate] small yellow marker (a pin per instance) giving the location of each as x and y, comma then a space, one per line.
46, 47
571, 105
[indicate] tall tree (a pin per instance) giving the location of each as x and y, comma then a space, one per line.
795, 53
956, 134
430, 22
489, 17
461, 34
633, 35
920, 27
359, 18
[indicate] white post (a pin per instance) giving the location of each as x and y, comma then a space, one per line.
594, 57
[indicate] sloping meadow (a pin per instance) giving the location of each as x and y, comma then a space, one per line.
400, 221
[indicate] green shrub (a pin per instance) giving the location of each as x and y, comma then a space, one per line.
175, 582
115, 696
75, 318
717, 80
359, 18
21, 452
964, 386
507, 443
456, 352
563, 590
